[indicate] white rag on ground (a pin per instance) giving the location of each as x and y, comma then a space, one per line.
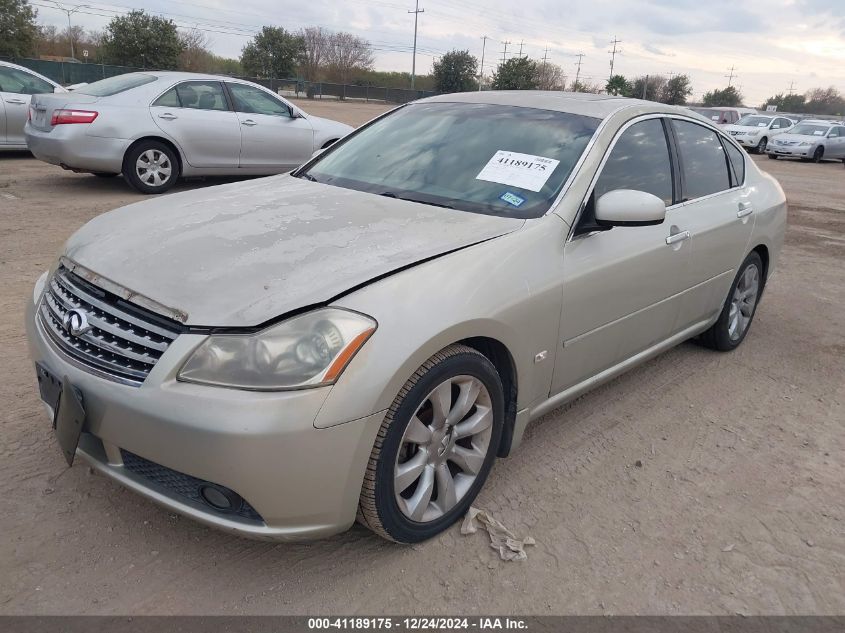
501, 538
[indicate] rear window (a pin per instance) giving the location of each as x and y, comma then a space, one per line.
115, 85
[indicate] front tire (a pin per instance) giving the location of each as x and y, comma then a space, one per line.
435, 447
151, 167
773, 156
818, 155
761, 146
738, 311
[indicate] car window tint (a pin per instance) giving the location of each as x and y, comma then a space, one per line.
250, 100
168, 100
639, 160
22, 83
703, 158
202, 95
737, 158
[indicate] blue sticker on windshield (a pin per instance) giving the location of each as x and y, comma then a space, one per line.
512, 199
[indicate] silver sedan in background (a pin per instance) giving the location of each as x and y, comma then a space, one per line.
17, 84
814, 140
154, 127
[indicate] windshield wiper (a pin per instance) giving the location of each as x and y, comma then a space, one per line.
390, 194
308, 176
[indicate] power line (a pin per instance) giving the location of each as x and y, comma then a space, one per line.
416, 13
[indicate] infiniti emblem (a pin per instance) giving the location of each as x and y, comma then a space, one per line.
76, 322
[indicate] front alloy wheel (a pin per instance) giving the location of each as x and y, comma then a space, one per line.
435, 447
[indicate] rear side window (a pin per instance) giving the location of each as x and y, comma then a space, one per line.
705, 170
202, 95
737, 159
640, 161
115, 85
168, 100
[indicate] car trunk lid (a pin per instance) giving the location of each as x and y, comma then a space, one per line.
43, 106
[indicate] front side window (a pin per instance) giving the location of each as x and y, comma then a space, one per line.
202, 95
115, 85
251, 100
639, 160
494, 159
834, 132
784, 123
22, 83
705, 169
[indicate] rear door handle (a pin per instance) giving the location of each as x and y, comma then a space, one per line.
19, 101
167, 116
677, 237
248, 122
745, 209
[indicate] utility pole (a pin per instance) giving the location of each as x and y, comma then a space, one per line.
505, 52
520, 47
613, 53
731, 77
645, 87
416, 13
545, 86
69, 11
580, 56
484, 39
791, 88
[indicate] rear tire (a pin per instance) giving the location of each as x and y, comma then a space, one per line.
435, 447
729, 330
151, 167
818, 155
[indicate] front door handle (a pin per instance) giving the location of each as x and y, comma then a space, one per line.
677, 237
18, 101
248, 122
745, 209
167, 116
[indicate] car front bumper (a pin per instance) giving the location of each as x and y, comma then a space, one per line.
72, 147
794, 151
165, 438
747, 141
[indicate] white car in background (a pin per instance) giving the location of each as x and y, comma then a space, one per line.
754, 131
814, 140
17, 85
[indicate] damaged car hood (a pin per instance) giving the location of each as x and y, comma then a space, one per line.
244, 253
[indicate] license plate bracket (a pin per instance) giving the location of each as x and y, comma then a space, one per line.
68, 412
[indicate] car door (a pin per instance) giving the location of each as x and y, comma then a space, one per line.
717, 210
16, 88
275, 139
835, 143
198, 117
621, 286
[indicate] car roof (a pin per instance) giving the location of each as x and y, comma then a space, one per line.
582, 103
178, 75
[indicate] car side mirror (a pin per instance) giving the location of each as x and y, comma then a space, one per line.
627, 207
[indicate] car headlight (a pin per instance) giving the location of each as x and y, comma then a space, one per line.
804, 144
310, 350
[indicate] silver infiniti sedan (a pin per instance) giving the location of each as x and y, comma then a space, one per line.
154, 127
363, 337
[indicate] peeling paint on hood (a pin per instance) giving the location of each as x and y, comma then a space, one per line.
242, 254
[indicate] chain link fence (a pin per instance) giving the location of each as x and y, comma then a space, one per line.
67, 73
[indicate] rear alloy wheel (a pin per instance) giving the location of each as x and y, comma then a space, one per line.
151, 167
435, 447
761, 146
739, 308
818, 155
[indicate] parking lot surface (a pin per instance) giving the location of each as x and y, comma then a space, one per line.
698, 483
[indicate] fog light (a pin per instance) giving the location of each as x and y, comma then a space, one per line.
220, 498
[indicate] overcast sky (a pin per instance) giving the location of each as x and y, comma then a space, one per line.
771, 43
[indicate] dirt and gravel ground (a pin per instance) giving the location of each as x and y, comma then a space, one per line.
698, 483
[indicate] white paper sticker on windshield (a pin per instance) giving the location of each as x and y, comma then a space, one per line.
518, 170
818, 133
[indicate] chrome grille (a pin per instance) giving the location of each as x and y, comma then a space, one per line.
124, 342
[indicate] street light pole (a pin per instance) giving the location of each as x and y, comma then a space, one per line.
69, 26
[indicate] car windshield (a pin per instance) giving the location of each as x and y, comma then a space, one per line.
114, 85
808, 129
752, 120
493, 159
